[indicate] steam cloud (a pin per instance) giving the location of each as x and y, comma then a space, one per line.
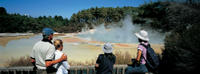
121, 32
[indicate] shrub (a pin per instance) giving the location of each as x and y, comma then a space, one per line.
182, 52
122, 58
22, 61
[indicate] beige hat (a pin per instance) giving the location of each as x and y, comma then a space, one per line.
142, 35
107, 48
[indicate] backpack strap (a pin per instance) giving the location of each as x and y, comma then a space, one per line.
147, 62
146, 46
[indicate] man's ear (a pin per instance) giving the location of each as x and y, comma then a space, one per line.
49, 37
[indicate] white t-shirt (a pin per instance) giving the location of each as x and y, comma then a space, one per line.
42, 51
61, 66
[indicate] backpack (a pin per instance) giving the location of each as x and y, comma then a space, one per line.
152, 59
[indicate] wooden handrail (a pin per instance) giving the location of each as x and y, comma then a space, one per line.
118, 69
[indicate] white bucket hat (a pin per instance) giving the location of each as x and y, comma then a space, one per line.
107, 48
142, 35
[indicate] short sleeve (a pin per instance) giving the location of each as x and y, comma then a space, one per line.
140, 47
50, 53
32, 55
99, 59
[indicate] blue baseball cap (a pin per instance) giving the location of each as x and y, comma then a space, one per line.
47, 31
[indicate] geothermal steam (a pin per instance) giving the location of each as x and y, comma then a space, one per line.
121, 32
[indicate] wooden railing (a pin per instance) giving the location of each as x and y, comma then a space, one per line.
118, 69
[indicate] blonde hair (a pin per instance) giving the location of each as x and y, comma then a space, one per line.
57, 43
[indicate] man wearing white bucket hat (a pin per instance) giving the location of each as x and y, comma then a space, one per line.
105, 62
141, 54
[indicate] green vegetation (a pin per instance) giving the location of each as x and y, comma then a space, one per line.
95, 16
182, 44
182, 52
162, 15
22, 23
89, 17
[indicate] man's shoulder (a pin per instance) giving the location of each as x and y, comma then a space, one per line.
101, 55
43, 43
37, 43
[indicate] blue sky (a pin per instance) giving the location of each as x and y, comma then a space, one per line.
63, 8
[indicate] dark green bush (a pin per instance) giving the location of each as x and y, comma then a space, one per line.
182, 52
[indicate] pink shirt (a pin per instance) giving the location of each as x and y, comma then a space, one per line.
144, 52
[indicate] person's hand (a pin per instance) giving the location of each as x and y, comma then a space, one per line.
96, 65
32, 60
48, 63
137, 63
63, 57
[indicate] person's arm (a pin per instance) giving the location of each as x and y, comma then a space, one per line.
66, 64
33, 63
51, 62
32, 60
98, 61
96, 65
139, 53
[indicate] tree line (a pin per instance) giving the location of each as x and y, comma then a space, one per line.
159, 15
22, 23
89, 17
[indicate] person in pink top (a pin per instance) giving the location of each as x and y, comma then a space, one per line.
141, 54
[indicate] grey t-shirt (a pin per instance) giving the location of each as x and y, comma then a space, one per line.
42, 51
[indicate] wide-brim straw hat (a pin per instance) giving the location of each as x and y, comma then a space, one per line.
142, 35
107, 48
